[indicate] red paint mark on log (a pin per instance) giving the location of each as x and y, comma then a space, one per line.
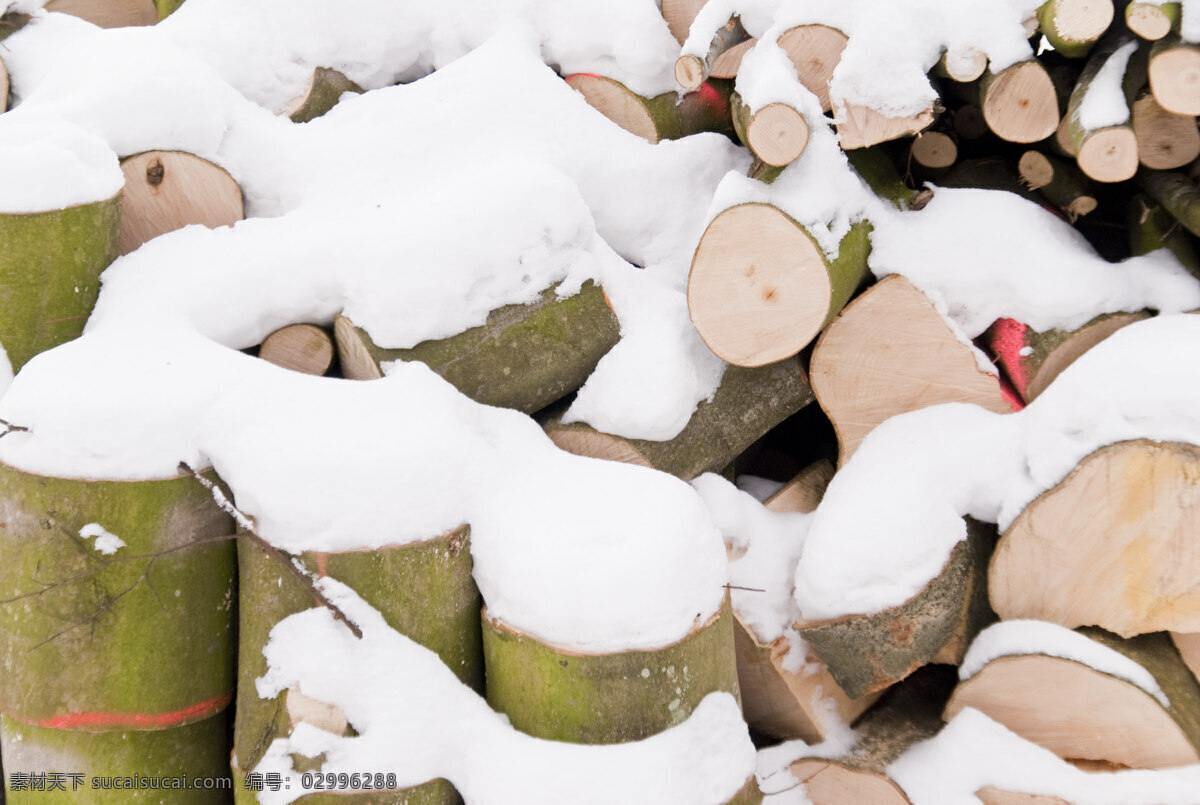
713, 99
1010, 395
1007, 341
137, 721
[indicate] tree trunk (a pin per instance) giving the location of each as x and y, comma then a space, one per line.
167, 190
664, 117
524, 357
777, 133
1020, 103
303, 348
748, 403
562, 695
324, 91
1073, 26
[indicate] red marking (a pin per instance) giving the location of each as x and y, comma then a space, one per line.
1007, 341
1010, 395
137, 721
712, 99
568, 78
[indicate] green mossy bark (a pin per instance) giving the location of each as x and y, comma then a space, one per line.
909, 713
1071, 48
424, 590
1132, 82
875, 167
1067, 186
867, 653
50, 274
199, 750
327, 88
849, 269
146, 632
167, 7
1152, 227
748, 403
727, 36
435, 792
750, 794
524, 357
708, 109
1176, 192
561, 695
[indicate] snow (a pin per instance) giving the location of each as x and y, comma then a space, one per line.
1104, 103
773, 763
45, 168
106, 543
1017, 637
413, 717
892, 516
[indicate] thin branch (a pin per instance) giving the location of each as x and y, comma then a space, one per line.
747, 589
247, 524
11, 428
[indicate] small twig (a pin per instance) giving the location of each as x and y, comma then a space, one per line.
247, 524
11, 428
747, 589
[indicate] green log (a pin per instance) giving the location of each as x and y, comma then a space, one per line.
562, 695
424, 590
50, 274
178, 758
1151, 227
776, 134
669, 116
748, 403
524, 357
1152, 21
325, 90
1110, 153
1177, 193
749, 795
166, 8
691, 71
141, 639
1073, 26
1060, 182
875, 167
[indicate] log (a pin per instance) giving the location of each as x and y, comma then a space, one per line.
890, 352
691, 71
729, 62
1020, 103
1053, 702
166, 8
664, 117
424, 591
679, 15
562, 695
1152, 21
4, 84
192, 752
998, 796
1032, 359
303, 348
1061, 183
11, 22
50, 274
1175, 75
748, 403
1177, 193
934, 150
324, 91
760, 288
776, 701
1112, 545
1151, 227
777, 133
905, 716
1165, 140
523, 357
168, 190
143, 620
963, 67
1188, 646
1073, 26
869, 653
435, 792
108, 13
968, 122
815, 50
1108, 153
862, 127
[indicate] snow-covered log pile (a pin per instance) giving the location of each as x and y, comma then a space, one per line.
614, 401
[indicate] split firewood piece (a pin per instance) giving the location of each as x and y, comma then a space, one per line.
1032, 359
729, 62
890, 352
1188, 646
424, 591
1061, 183
523, 356
862, 127
1177, 193
197, 751
905, 716
110, 579
1106, 148
815, 50
303, 348
869, 653
324, 91
1152, 21
791, 703
50, 273
777, 133
563, 695
1175, 75
748, 403
1020, 103
1165, 140
664, 117
761, 288
1130, 702
679, 15
1112, 545
935, 150
962, 66
998, 796
167, 190
692, 70
1151, 227
108, 13
1073, 26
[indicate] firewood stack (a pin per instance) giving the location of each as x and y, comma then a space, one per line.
1077, 626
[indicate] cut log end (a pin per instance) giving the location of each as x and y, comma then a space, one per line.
1109, 155
759, 288
815, 50
1082, 21
861, 127
729, 62
1175, 79
1148, 20
616, 102
828, 782
303, 348
679, 15
1020, 103
1165, 140
689, 72
777, 134
964, 66
353, 354
1035, 169
587, 441
108, 13
167, 190
933, 149
1189, 649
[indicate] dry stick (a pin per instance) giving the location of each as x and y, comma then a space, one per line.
1152, 21
1108, 153
691, 71
1062, 183
1020, 103
1165, 140
1073, 26
246, 523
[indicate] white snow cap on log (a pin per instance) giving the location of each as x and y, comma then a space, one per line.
46, 167
1104, 104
